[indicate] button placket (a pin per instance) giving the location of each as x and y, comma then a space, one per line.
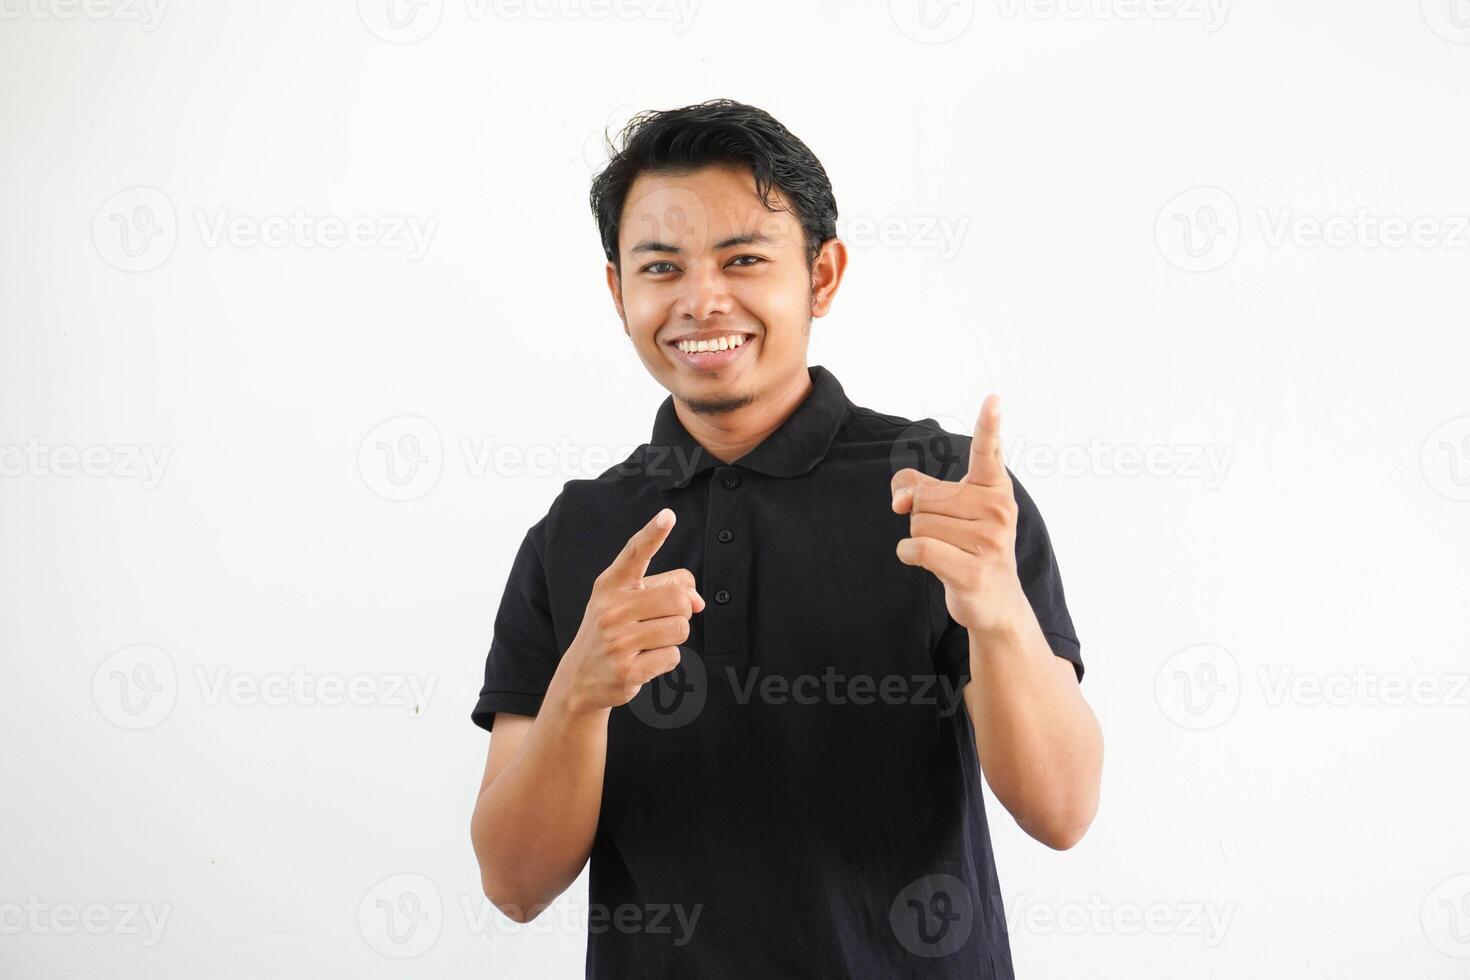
725, 566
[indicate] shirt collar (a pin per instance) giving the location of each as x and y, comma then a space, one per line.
798, 444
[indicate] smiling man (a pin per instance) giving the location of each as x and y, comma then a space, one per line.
755, 672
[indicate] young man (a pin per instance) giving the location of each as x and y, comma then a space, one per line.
755, 671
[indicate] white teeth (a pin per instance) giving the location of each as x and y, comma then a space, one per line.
718, 344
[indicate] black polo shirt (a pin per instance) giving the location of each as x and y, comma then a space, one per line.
801, 797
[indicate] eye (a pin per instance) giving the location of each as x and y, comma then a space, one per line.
653, 267
739, 257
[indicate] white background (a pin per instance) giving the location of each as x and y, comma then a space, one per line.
1130, 194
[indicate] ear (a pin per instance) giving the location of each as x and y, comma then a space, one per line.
615, 287
827, 272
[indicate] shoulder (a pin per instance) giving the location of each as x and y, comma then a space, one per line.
921, 444
587, 503
927, 446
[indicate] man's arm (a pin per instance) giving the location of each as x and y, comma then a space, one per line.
536, 813
538, 805
1039, 743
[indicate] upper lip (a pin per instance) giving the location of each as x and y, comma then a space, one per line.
710, 335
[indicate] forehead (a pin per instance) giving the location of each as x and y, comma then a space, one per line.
699, 208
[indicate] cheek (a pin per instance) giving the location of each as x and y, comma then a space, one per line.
644, 312
782, 304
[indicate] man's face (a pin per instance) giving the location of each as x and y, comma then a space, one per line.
702, 257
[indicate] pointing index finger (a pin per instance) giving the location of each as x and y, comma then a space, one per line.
631, 564
987, 467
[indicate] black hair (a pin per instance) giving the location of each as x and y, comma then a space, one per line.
720, 131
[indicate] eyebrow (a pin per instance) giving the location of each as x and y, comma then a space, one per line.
755, 238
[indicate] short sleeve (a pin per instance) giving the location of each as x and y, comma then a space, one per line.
1041, 580
523, 649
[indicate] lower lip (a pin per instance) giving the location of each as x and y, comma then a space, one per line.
709, 361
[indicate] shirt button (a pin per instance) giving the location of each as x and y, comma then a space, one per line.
726, 536
731, 482
722, 596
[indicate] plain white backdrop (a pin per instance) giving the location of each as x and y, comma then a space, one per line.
304, 324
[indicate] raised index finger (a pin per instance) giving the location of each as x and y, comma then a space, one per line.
631, 564
987, 468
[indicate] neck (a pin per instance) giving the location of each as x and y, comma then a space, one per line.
727, 436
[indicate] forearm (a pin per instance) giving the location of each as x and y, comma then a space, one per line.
534, 824
1039, 743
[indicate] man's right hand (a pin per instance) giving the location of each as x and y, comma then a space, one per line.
632, 627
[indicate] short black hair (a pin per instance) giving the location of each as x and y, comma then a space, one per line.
720, 131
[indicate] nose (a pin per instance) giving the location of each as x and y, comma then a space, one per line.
703, 292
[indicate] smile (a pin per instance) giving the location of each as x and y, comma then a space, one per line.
711, 355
